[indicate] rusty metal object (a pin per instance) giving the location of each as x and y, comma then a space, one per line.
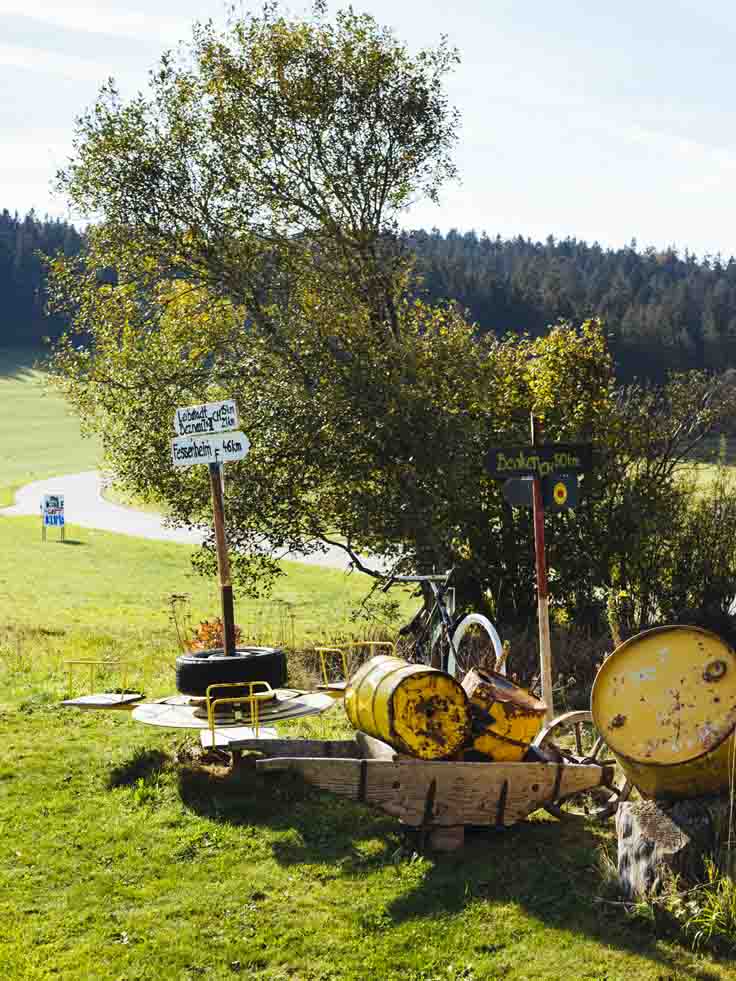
416, 709
506, 718
573, 738
665, 703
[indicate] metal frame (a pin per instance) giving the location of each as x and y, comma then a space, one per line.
341, 650
93, 663
252, 698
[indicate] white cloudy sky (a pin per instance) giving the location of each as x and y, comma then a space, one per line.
601, 121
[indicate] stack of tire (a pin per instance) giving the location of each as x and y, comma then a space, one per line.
196, 670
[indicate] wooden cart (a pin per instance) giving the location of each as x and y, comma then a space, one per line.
438, 798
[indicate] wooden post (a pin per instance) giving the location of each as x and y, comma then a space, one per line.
545, 644
223, 563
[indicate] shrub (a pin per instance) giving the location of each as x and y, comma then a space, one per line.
209, 634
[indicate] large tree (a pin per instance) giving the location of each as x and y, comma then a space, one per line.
245, 244
245, 234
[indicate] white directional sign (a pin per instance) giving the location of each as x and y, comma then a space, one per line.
212, 417
188, 450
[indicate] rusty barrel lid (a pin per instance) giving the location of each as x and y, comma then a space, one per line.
667, 695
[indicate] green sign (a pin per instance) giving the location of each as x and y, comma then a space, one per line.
539, 461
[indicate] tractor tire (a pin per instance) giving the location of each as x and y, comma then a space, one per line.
196, 670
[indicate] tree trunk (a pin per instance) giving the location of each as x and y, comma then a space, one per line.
656, 838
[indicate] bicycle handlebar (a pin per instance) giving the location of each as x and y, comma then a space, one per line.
434, 578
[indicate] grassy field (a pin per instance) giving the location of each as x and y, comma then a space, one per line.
104, 595
43, 439
126, 855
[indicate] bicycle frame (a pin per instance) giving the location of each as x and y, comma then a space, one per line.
439, 586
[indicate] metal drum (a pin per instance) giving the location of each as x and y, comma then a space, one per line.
665, 703
416, 709
506, 718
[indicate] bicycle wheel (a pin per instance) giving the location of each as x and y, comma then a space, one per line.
476, 644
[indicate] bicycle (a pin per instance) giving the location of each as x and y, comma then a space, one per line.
438, 641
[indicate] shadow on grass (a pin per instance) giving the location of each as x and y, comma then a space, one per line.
143, 764
327, 827
73, 541
546, 867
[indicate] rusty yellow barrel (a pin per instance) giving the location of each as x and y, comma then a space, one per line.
506, 718
665, 703
416, 709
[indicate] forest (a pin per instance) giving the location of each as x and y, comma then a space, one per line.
663, 311
24, 321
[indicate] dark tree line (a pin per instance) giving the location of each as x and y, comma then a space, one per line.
662, 311
23, 318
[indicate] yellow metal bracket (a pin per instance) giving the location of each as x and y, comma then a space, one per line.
323, 651
253, 698
371, 644
93, 664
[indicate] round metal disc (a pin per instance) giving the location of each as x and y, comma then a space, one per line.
667, 695
178, 711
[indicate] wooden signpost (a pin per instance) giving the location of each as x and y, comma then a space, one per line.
539, 476
198, 441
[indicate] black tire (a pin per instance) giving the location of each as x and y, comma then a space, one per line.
198, 669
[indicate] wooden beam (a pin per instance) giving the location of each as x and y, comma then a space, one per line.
223, 562
459, 793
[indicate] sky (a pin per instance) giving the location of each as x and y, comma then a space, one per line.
603, 122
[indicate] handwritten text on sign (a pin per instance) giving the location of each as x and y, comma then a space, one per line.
212, 417
539, 461
188, 450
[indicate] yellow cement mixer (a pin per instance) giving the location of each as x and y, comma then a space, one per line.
418, 710
665, 703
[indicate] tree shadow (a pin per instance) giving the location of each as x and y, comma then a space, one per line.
546, 867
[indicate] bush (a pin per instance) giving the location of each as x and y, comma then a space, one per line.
209, 634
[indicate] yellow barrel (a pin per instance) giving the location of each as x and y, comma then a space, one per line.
506, 718
416, 709
665, 703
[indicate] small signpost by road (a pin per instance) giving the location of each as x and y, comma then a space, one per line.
52, 514
541, 476
204, 435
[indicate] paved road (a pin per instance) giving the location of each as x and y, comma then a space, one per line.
85, 506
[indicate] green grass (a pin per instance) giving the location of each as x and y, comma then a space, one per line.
100, 592
41, 437
122, 857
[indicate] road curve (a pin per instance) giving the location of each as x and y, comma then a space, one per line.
85, 506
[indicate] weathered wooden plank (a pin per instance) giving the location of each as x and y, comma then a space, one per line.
370, 748
444, 793
234, 736
104, 700
278, 747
